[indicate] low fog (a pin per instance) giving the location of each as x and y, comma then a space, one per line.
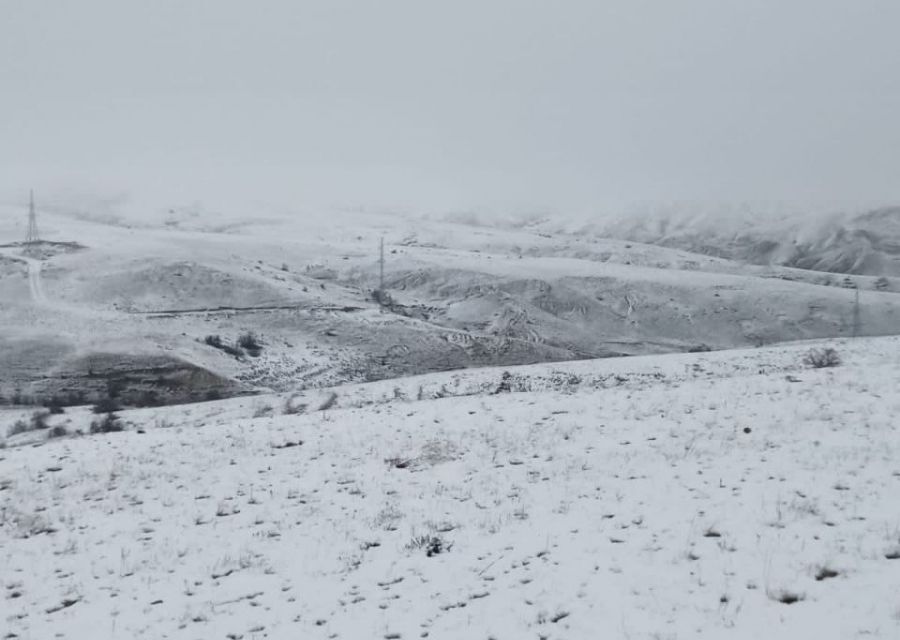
507, 106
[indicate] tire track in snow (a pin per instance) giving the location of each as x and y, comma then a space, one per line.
34, 281
35, 286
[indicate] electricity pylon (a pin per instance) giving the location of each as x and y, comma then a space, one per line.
32, 236
381, 267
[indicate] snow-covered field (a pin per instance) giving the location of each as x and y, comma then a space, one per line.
711, 495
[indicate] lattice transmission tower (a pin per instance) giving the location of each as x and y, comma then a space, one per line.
32, 237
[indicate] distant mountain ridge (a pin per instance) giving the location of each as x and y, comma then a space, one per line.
865, 243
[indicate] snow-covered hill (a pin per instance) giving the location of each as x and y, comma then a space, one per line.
866, 243
715, 495
141, 301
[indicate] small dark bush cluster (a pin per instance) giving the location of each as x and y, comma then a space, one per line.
148, 398
56, 405
19, 426
37, 422
433, 545
106, 405
246, 342
216, 342
822, 358
57, 432
250, 343
291, 407
504, 386
107, 424
329, 403
382, 298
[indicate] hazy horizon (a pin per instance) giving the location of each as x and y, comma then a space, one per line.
579, 107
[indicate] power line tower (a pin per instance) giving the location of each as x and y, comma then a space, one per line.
857, 317
32, 237
381, 267
380, 295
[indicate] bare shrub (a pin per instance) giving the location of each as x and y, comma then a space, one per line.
55, 405
329, 403
107, 424
216, 342
263, 411
504, 386
432, 544
19, 426
106, 405
57, 432
382, 298
39, 420
250, 343
822, 358
291, 407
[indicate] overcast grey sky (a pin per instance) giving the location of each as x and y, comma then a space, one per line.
576, 105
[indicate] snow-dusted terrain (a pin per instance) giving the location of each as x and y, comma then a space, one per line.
859, 242
714, 495
132, 298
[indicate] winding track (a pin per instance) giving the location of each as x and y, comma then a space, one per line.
34, 281
35, 284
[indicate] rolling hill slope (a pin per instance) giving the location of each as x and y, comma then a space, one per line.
142, 303
715, 495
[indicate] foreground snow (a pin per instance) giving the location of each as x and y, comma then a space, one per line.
679, 497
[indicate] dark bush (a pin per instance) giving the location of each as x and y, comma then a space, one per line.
329, 402
822, 358
39, 420
106, 405
19, 426
383, 298
292, 408
114, 387
148, 398
504, 386
107, 424
250, 343
56, 405
433, 545
216, 342
57, 432
76, 398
